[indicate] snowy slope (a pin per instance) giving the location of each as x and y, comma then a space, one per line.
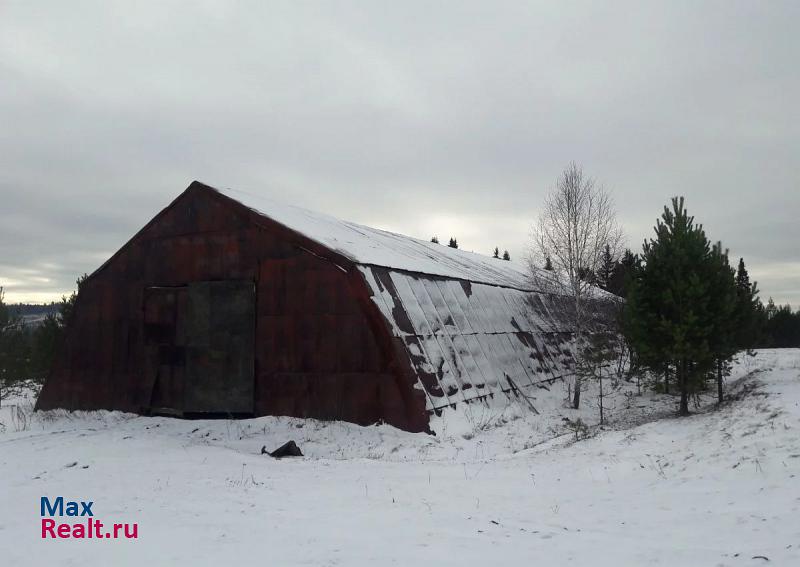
499, 486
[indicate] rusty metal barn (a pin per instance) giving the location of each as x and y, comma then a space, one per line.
221, 308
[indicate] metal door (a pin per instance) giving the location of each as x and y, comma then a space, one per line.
219, 329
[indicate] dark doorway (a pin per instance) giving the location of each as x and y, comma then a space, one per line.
165, 348
199, 344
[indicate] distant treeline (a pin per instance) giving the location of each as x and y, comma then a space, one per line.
27, 348
779, 326
773, 326
26, 311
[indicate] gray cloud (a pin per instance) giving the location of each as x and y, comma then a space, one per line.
448, 118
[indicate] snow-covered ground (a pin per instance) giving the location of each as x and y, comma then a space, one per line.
495, 485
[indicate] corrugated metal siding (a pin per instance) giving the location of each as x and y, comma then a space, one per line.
466, 339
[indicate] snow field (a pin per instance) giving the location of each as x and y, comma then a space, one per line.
496, 484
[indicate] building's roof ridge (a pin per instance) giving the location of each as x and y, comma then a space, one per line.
377, 247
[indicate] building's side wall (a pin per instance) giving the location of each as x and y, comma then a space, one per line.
318, 351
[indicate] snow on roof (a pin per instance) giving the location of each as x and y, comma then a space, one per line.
470, 340
372, 246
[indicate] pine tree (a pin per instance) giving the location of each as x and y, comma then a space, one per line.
453, 243
506, 255
742, 277
620, 273
15, 347
629, 264
625, 271
667, 315
46, 339
770, 310
68, 302
496, 252
722, 314
747, 309
606, 269
435, 240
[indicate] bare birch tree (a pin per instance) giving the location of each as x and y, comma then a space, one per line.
576, 223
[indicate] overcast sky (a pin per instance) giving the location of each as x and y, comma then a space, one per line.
446, 118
